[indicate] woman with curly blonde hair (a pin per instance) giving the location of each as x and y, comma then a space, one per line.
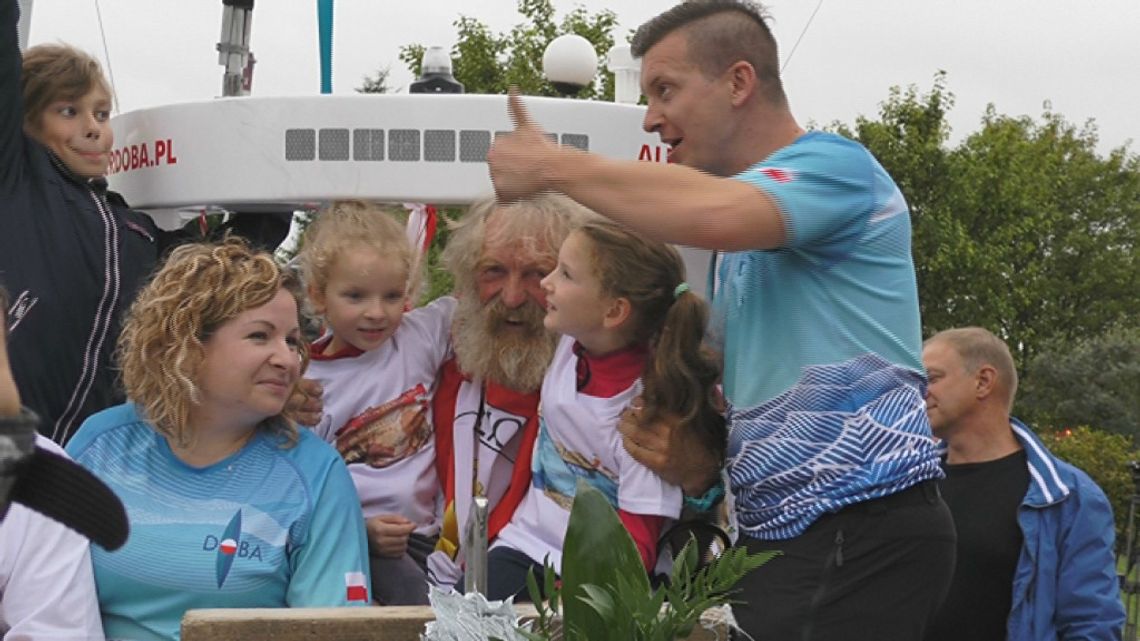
229, 504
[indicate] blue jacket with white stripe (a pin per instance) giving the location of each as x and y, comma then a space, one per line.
1065, 585
72, 255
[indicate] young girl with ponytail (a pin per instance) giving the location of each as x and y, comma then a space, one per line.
629, 327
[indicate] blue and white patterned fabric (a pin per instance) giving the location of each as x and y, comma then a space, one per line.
843, 434
822, 343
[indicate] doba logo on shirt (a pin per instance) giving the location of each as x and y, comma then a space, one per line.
228, 547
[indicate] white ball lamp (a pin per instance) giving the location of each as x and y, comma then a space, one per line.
570, 63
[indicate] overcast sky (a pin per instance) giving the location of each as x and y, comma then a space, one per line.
1083, 57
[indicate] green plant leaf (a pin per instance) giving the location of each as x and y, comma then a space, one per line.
550, 584
600, 600
684, 565
597, 551
539, 605
605, 593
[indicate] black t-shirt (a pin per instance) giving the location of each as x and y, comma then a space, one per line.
984, 498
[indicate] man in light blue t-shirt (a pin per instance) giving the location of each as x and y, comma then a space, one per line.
830, 454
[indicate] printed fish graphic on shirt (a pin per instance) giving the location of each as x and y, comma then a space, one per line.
227, 548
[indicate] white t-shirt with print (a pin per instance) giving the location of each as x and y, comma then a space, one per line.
578, 439
377, 413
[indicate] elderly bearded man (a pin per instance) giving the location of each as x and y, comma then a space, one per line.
486, 400
497, 256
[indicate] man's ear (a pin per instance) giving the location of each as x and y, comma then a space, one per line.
986, 381
743, 82
617, 313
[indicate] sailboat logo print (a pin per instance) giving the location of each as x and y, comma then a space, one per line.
227, 547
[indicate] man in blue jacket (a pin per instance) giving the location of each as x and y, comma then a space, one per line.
1035, 534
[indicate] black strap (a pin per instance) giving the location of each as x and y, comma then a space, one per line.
60, 489
705, 532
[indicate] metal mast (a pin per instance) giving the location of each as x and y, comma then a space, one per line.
233, 47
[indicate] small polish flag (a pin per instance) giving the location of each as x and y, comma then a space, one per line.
420, 228
356, 589
777, 174
228, 546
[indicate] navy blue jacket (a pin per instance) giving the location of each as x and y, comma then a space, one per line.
72, 256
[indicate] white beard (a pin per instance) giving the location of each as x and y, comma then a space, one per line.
486, 349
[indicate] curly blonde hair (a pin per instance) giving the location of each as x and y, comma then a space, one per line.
160, 350
346, 224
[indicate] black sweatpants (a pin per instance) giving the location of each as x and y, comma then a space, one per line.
877, 570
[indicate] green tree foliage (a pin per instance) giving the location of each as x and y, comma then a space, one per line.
1092, 381
489, 63
1058, 227
1023, 228
1105, 457
377, 83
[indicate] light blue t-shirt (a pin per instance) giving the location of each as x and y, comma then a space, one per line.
822, 343
269, 526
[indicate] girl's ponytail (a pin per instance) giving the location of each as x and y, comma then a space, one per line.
681, 374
